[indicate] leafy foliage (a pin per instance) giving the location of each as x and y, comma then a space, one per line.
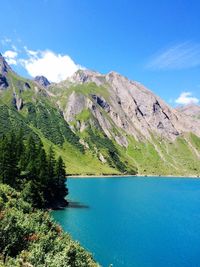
30, 237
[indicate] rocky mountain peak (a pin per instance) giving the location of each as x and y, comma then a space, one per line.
85, 75
130, 106
4, 67
114, 74
43, 81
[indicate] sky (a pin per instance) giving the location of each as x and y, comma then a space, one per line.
155, 42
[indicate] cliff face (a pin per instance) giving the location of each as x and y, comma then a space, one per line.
128, 105
4, 69
41, 80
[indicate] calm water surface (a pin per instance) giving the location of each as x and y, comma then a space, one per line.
136, 222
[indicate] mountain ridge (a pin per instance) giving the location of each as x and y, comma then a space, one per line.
192, 110
105, 124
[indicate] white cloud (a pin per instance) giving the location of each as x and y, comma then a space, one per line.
55, 67
181, 56
186, 98
11, 57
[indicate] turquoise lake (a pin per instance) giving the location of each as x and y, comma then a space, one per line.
134, 221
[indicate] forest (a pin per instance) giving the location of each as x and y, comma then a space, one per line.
32, 181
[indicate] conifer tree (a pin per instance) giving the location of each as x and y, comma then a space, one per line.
26, 166
61, 190
51, 175
9, 171
4, 160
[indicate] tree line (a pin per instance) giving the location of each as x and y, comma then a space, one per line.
25, 166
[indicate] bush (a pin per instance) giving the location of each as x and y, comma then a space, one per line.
30, 237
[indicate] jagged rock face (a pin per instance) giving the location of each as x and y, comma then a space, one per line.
43, 81
3, 82
83, 76
130, 106
17, 102
27, 86
4, 68
143, 111
101, 102
75, 105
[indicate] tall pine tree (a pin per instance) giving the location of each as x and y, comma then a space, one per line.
61, 189
9, 170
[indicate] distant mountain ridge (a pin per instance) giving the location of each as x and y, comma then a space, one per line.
102, 124
191, 110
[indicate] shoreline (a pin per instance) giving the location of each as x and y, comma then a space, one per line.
133, 176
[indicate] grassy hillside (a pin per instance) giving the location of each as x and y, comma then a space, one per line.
165, 158
42, 118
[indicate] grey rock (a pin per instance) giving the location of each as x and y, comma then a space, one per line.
131, 109
27, 85
3, 82
84, 76
4, 68
101, 158
17, 102
101, 102
41, 80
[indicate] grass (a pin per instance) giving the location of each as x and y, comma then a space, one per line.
177, 157
84, 115
76, 162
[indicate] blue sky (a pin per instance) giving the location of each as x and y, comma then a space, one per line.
154, 42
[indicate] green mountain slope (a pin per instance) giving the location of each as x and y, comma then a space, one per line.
41, 117
102, 124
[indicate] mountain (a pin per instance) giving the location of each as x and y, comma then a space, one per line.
4, 69
102, 124
43, 81
191, 110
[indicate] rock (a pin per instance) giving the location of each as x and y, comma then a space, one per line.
130, 107
76, 104
41, 80
84, 76
17, 102
27, 85
85, 144
101, 158
101, 102
3, 82
4, 68
121, 140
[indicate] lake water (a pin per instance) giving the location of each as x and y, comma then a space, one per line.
136, 222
